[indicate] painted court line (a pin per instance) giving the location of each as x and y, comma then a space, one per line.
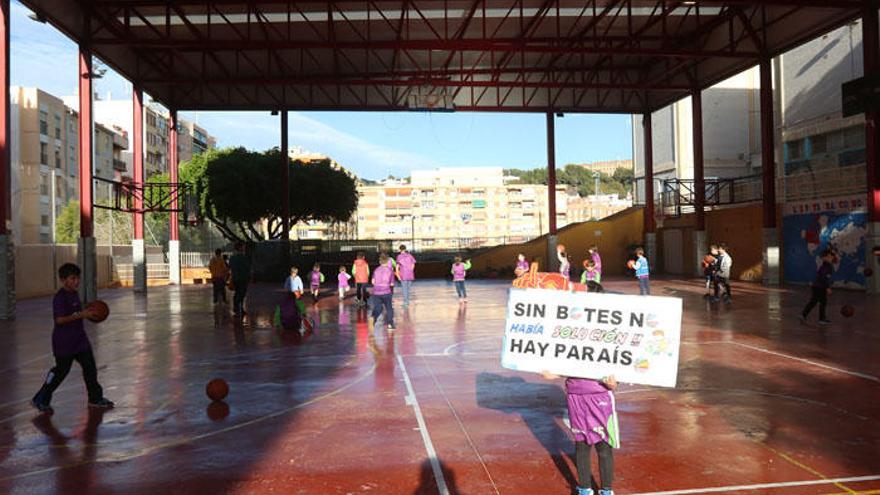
782, 484
807, 361
423, 429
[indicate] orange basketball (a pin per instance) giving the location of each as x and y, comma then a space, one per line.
217, 389
708, 260
847, 311
631, 264
100, 309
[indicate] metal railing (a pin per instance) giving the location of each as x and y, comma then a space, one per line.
678, 196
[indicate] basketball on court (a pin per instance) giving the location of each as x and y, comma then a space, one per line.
100, 309
217, 389
631, 264
847, 311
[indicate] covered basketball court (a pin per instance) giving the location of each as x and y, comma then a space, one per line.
763, 405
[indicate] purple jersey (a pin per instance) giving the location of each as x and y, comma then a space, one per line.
343, 280
383, 278
316, 277
598, 261
70, 338
406, 265
522, 265
591, 412
459, 271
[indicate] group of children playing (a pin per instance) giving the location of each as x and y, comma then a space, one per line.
716, 269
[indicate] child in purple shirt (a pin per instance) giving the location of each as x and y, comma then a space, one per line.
593, 418
459, 272
343, 279
316, 278
70, 343
383, 280
406, 272
522, 265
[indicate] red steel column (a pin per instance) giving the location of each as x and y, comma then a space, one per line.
871, 55
770, 256
87, 248
174, 227
285, 180
7, 247
5, 158
700, 243
552, 261
138, 249
650, 226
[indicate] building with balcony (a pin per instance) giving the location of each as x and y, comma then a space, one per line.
44, 134
456, 208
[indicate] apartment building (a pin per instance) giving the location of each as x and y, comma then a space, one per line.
456, 207
595, 206
45, 154
118, 114
607, 167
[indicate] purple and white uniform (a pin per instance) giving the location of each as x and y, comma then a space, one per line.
343, 280
522, 265
591, 412
316, 278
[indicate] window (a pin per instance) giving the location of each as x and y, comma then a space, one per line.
44, 153
854, 137
44, 184
57, 127
795, 149
44, 123
819, 143
58, 159
44, 220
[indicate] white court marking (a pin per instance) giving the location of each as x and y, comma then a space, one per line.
807, 361
760, 486
423, 429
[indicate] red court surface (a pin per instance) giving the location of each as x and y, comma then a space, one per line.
764, 405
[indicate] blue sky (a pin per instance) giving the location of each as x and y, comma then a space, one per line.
373, 145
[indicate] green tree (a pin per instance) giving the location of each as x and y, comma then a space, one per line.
67, 224
237, 189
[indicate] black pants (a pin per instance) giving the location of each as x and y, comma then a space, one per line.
238, 297
819, 295
722, 282
57, 375
219, 290
361, 292
606, 464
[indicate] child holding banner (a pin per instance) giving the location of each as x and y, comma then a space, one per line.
593, 420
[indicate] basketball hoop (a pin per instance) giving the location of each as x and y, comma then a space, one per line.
430, 99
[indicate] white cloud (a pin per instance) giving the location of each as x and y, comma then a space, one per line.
261, 131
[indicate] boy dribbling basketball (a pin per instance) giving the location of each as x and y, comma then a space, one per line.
70, 343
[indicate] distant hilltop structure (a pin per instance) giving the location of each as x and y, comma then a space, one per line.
607, 167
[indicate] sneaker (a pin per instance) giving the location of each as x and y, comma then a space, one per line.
42, 407
390, 327
606, 492
102, 403
584, 491
824, 322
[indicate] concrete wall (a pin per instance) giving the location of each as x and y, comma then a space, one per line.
36, 268
740, 228
612, 235
813, 73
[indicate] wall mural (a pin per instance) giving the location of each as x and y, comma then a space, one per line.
808, 227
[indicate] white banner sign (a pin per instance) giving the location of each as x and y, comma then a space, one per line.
592, 335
